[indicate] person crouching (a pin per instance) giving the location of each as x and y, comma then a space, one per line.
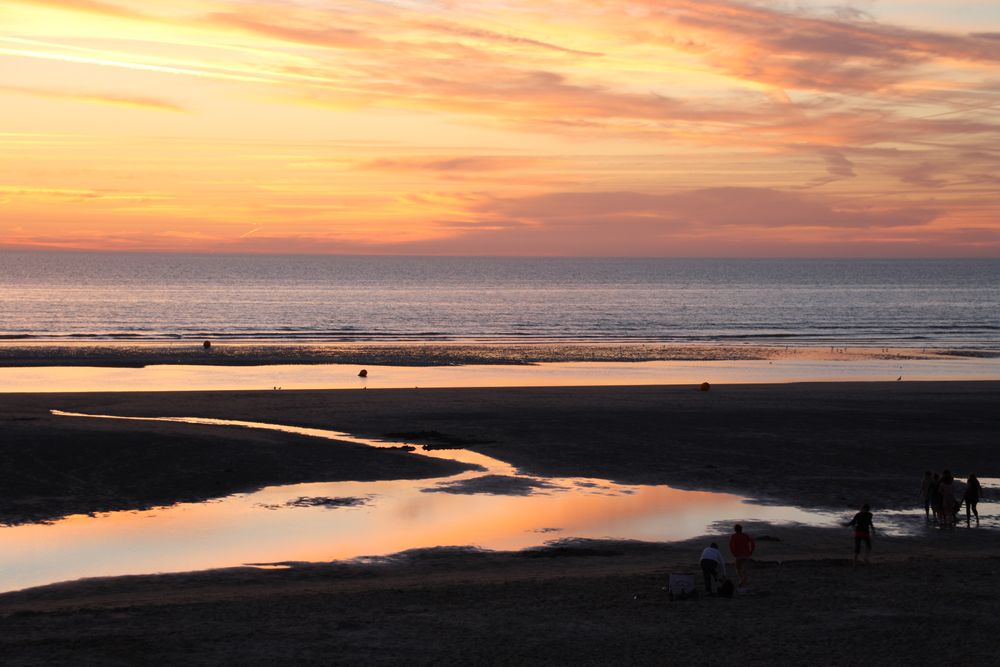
713, 566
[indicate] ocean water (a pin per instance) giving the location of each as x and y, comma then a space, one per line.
99, 296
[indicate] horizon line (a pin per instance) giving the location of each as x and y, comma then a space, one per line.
213, 253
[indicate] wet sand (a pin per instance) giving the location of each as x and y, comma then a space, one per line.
57, 466
125, 354
829, 445
812, 445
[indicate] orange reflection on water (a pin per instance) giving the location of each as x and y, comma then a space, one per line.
336, 376
397, 515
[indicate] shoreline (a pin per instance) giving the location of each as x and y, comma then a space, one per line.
244, 353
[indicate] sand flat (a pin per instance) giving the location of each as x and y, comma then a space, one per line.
813, 445
591, 603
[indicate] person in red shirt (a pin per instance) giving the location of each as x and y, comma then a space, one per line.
741, 546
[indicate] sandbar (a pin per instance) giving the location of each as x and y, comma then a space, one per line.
237, 353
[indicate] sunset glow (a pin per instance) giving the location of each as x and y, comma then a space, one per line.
504, 127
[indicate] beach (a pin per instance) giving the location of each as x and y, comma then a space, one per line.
827, 446
402, 332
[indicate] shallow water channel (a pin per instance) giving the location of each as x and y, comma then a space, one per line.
493, 507
549, 374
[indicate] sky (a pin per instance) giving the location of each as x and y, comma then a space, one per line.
502, 127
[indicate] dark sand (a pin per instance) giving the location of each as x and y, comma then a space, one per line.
925, 598
920, 601
813, 445
53, 466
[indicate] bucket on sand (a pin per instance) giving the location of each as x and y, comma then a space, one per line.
681, 585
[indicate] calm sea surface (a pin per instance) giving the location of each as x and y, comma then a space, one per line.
80, 296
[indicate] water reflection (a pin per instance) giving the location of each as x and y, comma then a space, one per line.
272, 525
342, 376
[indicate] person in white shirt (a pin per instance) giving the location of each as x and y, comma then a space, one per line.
713, 566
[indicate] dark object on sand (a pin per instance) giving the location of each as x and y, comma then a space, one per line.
207, 344
705, 386
363, 373
726, 589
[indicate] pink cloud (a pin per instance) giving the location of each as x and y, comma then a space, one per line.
795, 49
722, 207
705, 222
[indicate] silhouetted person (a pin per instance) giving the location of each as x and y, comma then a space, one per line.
936, 497
863, 530
925, 493
947, 489
742, 547
713, 566
973, 491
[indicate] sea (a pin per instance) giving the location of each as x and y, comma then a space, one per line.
77, 296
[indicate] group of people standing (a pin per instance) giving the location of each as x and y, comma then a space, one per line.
713, 565
941, 503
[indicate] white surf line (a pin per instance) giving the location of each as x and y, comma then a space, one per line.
491, 465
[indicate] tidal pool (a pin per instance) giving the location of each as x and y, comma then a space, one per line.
494, 507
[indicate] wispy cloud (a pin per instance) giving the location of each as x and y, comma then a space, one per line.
712, 208
76, 194
100, 98
302, 33
565, 126
796, 49
89, 6
451, 164
502, 38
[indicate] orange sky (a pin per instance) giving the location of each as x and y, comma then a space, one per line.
509, 127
